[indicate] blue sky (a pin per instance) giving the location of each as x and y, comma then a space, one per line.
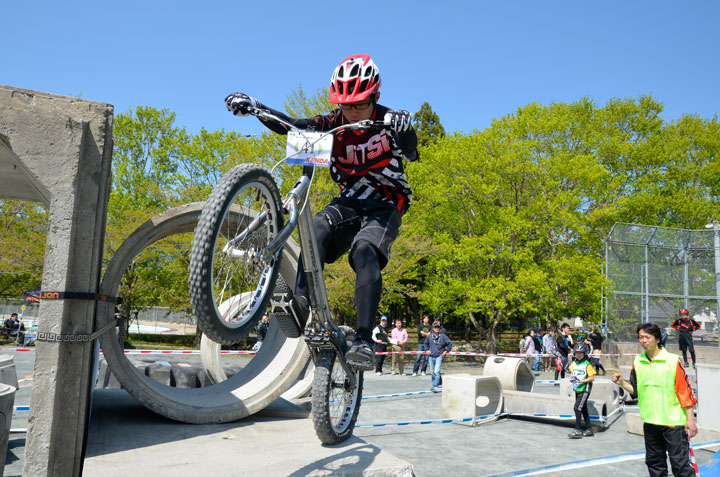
471, 60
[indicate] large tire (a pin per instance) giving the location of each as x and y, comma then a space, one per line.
335, 405
216, 277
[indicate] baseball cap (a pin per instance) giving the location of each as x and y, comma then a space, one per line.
383, 318
436, 325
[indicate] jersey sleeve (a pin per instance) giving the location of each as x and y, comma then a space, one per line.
683, 389
696, 325
676, 324
591, 371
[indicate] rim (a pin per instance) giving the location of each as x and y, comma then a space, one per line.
246, 273
342, 398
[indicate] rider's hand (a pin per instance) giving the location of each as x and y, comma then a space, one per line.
399, 121
239, 103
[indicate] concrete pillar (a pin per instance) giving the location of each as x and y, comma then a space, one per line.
66, 145
466, 396
708, 382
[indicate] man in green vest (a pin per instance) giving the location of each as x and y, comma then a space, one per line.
666, 403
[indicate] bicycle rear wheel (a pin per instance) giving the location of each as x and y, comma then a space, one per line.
231, 282
335, 404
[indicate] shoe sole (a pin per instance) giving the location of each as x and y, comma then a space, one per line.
363, 365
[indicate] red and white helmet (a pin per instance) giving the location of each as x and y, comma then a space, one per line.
683, 311
354, 80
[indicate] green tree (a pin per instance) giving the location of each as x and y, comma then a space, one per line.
427, 125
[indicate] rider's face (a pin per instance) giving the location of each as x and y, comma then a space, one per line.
360, 111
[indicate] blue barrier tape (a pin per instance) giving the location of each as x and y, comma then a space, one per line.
21, 408
546, 381
383, 396
432, 421
565, 416
613, 459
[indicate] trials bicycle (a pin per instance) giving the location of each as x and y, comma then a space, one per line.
235, 262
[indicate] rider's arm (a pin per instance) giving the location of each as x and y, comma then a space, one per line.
280, 128
407, 140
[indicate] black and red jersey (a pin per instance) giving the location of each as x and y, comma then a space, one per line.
365, 164
685, 327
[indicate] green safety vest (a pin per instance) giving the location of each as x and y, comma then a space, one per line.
657, 397
579, 369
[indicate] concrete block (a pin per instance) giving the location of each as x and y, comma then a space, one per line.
514, 373
471, 396
705, 434
185, 376
7, 401
162, 373
603, 389
549, 406
8, 374
708, 383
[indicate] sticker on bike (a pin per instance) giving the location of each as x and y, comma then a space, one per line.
309, 148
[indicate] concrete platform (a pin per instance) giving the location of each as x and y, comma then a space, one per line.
127, 439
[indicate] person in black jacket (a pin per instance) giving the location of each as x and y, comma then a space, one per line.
381, 340
685, 327
423, 331
563, 349
596, 341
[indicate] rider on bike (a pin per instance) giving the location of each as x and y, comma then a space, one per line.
374, 193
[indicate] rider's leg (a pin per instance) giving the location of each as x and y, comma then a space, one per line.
368, 286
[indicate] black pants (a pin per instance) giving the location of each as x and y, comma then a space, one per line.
379, 358
581, 410
671, 441
366, 228
686, 343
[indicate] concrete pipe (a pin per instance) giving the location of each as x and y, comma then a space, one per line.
514, 373
258, 384
471, 396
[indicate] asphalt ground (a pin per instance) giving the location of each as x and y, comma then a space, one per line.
506, 446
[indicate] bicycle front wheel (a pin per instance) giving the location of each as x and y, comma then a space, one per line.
335, 404
231, 279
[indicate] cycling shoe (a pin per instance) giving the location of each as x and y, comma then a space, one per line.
361, 355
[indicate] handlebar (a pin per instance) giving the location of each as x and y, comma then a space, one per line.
358, 126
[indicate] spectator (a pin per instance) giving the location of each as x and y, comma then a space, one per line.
596, 340
381, 339
423, 331
436, 319
398, 338
438, 345
549, 348
262, 332
666, 403
563, 350
14, 325
582, 375
529, 348
685, 327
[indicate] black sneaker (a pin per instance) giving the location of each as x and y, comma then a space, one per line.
361, 355
588, 433
576, 434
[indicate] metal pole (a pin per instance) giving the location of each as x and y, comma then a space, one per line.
647, 286
716, 231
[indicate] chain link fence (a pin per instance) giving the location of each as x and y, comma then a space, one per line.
655, 271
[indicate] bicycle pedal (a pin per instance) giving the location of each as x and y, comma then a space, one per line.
318, 340
363, 365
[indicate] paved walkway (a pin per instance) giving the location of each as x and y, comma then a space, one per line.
126, 439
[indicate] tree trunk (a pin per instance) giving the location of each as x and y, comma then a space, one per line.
492, 347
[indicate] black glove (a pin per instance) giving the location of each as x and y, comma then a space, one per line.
239, 103
399, 121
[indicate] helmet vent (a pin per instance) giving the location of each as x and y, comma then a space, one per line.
351, 87
340, 87
363, 85
355, 71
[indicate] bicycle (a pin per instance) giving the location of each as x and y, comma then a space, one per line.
234, 267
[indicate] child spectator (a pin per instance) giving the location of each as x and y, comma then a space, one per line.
582, 374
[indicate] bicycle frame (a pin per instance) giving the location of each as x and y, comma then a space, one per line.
299, 215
